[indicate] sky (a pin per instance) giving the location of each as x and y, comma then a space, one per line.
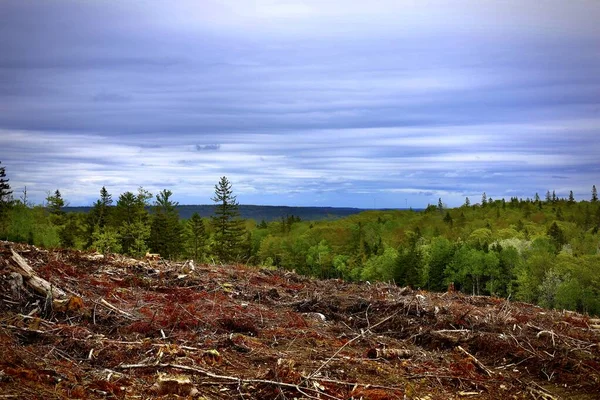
369, 104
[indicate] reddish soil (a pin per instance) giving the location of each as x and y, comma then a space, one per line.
158, 329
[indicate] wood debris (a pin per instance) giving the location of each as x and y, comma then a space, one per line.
76, 325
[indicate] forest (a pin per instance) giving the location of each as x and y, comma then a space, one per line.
542, 250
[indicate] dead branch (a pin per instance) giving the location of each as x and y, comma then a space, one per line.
115, 309
40, 285
476, 361
226, 377
361, 335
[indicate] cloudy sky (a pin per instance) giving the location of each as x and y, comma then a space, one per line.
388, 103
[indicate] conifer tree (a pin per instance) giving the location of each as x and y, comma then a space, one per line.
483, 199
196, 236
97, 218
5, 192
467, 202
448, 218
5, 197
165, 232
594, 194
55, 203
131, 217
571, 197
226, 222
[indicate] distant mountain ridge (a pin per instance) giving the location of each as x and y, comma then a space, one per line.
258, 213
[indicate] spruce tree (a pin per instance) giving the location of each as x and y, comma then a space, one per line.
55, 203
226, 222
5, 197
483, 199
166, 232
594, 194
131, 217
5, 192
571, 197
467, 202
97, 218
196, 236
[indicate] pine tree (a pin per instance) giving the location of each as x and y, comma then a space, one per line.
97, 218
227, 224
467, 202
483, 199
440, 205
5, 192
571, 197
448, 218
548, 197
55, 203
165, 232
557, 236
594, 194
131, 217
196, 236
5, 197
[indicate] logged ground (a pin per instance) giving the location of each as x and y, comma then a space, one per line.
155, 329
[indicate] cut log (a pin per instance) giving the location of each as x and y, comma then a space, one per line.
40, 285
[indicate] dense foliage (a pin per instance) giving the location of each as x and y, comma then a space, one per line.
541, 251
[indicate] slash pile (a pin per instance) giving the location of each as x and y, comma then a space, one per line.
81, 325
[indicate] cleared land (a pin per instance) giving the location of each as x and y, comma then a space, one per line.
117, 327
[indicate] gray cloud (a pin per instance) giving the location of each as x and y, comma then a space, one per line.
297, 99
210, 147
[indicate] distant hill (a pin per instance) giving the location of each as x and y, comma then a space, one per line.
258, 213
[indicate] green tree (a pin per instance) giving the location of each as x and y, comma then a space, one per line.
381, 267
448, 218
571, 197
106, 240
467, 202
69, 232
439, 257
557, 236
166, 231
5, 198
483, 199
133, 221
594, 194
98, 217
319, 259
226, 222
409, 264
196, 236
55, 203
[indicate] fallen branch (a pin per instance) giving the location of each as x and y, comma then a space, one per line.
476, 361
361, 335
226, 377
115, 309
40, 285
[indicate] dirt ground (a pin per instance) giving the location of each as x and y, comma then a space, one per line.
122, 328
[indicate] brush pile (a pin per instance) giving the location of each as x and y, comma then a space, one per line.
77, 325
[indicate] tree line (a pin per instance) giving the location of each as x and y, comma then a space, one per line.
540, 250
